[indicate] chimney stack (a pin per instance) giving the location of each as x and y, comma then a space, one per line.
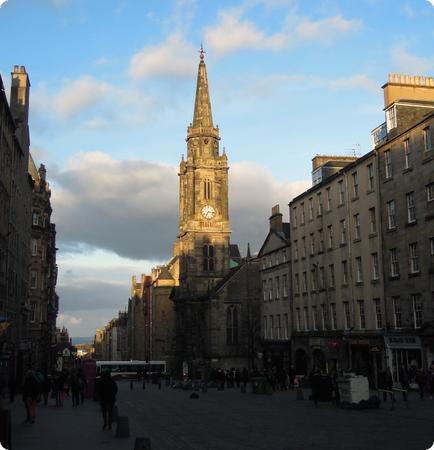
19, 105
276, 219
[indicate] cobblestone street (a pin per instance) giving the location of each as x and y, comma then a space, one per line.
228, 420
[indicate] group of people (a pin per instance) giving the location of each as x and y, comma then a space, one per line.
410, 377
230, 378
38, 387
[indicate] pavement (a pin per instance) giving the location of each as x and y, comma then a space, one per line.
227, 420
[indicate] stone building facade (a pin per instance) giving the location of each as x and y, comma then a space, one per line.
42, 301
138, 329
337, 277
276, 307
15, 204
406, 181
363, 247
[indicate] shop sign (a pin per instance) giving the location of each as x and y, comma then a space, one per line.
375, 349
315, 342
334, 344
402, 341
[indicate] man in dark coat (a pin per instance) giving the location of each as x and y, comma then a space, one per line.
315, 383
107, 397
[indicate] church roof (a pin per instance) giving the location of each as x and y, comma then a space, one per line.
164, 274
202, 107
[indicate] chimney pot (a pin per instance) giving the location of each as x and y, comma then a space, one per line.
15, 69
23, 69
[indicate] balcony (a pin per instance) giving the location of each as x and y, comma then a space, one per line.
379, 135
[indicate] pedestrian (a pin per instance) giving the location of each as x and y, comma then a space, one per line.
238, 377
430, 380
31, 392
107, 395
420, 379
46, 388
60, 389
291, 376
75, 389
315, 383
12, 385
82, 380
245, 377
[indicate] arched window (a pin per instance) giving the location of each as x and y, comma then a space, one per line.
208, 258
207, 190
231, 325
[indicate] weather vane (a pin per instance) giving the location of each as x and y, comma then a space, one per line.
202, 52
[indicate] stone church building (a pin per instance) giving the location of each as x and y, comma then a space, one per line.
217, 298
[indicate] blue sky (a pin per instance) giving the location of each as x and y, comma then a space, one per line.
113, 87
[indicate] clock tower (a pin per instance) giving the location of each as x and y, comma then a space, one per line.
203, 240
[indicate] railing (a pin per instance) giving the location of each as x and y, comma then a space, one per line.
391, 393
379, 134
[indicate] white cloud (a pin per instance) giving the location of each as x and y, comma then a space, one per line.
324, 30
80, 94
93, 103
409, 63
360, 81
3, 2
171, 59
233, 32
431, 2
67, 319
130, 207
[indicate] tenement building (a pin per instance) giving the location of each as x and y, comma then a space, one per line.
15, 207
336, 259
210, 323
137, 330
275, 270
42, 298
362, 247
405, 151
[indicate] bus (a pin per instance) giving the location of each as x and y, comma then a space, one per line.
129, 369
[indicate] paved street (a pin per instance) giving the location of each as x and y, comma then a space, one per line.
229, 420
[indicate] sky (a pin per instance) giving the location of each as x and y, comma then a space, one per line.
112, 93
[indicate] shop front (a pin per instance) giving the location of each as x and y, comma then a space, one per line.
367, 358
403, 352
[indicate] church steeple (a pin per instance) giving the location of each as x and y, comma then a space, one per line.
202, 106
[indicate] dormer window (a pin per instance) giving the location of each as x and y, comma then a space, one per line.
391, 118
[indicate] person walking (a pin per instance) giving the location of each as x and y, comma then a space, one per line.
31, 392
75, 389
315, 383
82, 381
12, 385
245, 376
107, 396
420, 379
46, 388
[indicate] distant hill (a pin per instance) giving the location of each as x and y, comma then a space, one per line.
82, 340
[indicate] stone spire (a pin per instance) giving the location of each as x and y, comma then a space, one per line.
202, 106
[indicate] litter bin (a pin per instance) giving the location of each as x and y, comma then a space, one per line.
260, 385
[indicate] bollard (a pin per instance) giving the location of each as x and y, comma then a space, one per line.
142, 443
243, 389
144, 385
159, 385
204, 387
123, 427
131, 385
115, 413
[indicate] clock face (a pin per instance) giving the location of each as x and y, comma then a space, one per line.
208, 212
